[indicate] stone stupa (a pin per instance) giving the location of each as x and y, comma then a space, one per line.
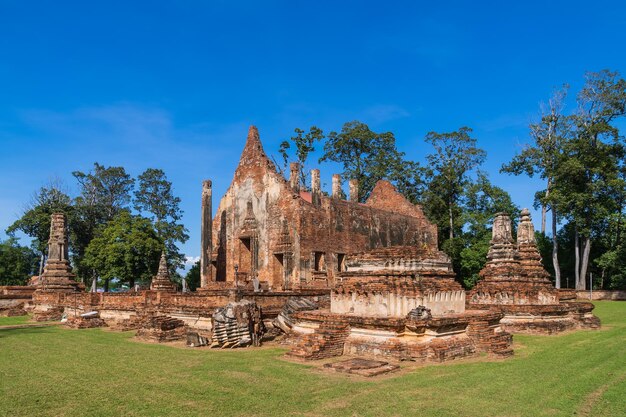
161, 281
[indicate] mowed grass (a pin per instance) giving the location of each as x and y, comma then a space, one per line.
58, 372
11, 321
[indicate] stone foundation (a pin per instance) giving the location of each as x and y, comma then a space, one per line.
321, 334
129, 311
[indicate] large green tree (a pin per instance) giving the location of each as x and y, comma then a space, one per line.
368, 156
450, 167
542, 158
104, 193
127, 248
155, 198
587, 185
17, 263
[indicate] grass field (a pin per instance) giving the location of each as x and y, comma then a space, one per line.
58, 372
10, 321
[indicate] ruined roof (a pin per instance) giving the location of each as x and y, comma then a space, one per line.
384, 196
253, 150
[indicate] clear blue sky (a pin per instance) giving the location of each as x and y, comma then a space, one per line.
174, 85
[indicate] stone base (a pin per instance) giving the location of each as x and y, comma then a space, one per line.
362, 367
321, 334
48, 313
84, 322
162, 329
544, 319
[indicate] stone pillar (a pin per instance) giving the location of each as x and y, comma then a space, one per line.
336, 186
316, 192
294, 176
354, 190
525, 229
206, 234
502, 248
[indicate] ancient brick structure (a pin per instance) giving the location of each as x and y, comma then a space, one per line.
515, 283
161, 281
266, 227
16, 300
162, 329
57, 277
401, 303
57, 274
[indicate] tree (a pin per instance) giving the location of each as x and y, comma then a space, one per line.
304, 144
456, 155
542, 158
35, 220
587, 181
155, 197
104, 193
108, 189
368, 156
17, 263
126, 248
193, 277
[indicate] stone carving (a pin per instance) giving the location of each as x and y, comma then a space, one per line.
237, 324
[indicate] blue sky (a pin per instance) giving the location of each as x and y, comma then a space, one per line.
174, 85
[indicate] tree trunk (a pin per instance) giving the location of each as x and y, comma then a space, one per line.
544, 209
131, 284
41, 263
577, 261
94, 281
585, 261
451, 220
106, 285
555, 251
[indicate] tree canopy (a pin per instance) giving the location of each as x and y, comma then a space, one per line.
127, 248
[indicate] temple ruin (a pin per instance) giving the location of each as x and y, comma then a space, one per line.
515, 283
339, 276
267, 228
398, 302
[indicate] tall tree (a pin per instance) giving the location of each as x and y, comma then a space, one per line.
456, 156
126, 248
107, 188
304, 144
585, 183
104, 193
368, 156
541, 157
155, 197
35, 219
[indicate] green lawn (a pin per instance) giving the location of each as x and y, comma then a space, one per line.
57, 372
10, 321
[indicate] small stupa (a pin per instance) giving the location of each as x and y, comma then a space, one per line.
161, 281
57, 274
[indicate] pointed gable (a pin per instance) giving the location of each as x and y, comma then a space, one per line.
384, 196
254, 162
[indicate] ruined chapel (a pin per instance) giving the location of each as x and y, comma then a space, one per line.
288, 238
